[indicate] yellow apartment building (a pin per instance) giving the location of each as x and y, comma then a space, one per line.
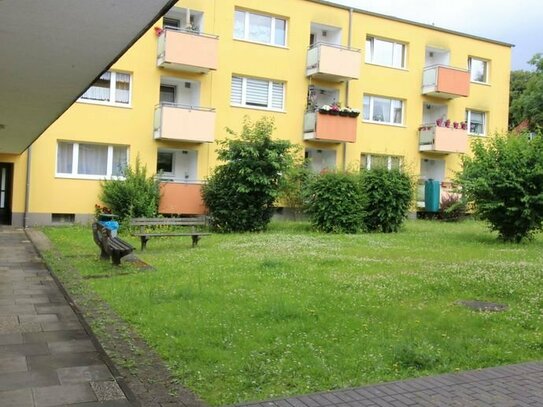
423, 94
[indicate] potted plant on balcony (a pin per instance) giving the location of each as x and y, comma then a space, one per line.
354, 113
464, 125
456, 125
324, 109
334, 109
439, 122
447, 123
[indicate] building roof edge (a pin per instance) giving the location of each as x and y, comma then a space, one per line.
415, 23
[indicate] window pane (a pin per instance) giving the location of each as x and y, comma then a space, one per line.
381, 110
236, 92
167, 94
369, 50
382, 52
363, 161
477, 122
397, 111
122, 88
379, 161
394, 163
257, 93
164, 162
65, 158
260, 28
399, 55
277, 95
477, 70
366, 108
120, 159
171, 22
92, 159
280, 31
99, 89
239, 24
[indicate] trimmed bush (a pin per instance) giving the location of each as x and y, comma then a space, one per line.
241, 192
504, 180
333, 202
388, 195
134, 196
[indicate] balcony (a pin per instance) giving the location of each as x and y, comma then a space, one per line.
445, 82
181, 198
187, 51
442, 140
333, 63
329, 128
184, 123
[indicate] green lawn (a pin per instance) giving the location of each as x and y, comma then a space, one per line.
290, 311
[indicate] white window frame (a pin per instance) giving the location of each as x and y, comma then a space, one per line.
270, 94
487, 64
391, 123
112, 89
75, 162
468, 120
272, 36
370, 53
388, 157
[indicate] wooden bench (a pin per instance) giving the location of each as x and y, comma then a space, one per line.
149, 227
110, 246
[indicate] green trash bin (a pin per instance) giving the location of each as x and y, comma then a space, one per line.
431, 195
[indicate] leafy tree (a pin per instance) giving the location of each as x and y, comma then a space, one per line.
517, 86
291, 191
388, 195
528, 105
333, 202
241, 192
504, 180
134, 196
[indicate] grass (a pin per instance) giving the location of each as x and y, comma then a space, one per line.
252, 316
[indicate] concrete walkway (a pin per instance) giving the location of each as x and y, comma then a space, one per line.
46, 356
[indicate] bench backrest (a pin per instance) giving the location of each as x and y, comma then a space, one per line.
196, 221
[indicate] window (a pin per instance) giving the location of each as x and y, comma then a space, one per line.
165, 162
177, 165
476, 122
391, 162
379, 109
90, 160
260, 28
170, 22
112, 88
257, 93
478, 69
167, 94
385, 52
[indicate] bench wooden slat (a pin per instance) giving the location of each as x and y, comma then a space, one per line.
151, 223
111, 247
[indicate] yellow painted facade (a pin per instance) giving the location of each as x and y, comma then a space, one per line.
132, 126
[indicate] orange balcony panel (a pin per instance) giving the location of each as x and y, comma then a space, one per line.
183, 123
329, 128
188, 51
181, 199
445, 82
442, 140
333, 62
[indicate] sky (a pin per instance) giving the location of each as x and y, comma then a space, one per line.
518, 22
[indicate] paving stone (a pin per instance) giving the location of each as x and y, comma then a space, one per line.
61, 326
63, 394
17, 398
11, 338
44, 318
115, 403
23, 380
53, 336
107, 390
63, 360
24, 349
82, 374
73, 346
12, 364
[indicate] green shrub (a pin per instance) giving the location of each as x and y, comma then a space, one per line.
333, 203
452, 207
241, 192
291, 191
388, 195
504, 180
134, 196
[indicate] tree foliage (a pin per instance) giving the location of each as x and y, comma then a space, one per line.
241, 192
526, 96
388, 195
504, 180
134, 195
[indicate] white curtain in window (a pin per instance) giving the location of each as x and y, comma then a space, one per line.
381, 110
239, 24
122, 88
383, 52
65, 158
120, 159
397, 111
99, 89
260, 28
280, 31
92, 159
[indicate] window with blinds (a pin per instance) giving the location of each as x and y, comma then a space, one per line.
257, 93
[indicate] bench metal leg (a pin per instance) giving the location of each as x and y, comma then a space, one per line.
103, 254
116, 258
144, 240
195, 239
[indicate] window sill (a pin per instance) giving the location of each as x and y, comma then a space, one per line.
259, 108
396, 68
480, 83
384, 123
261, 43
91, 102
88, 177
476, 135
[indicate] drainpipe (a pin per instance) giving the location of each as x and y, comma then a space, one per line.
349, 39
27, 187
